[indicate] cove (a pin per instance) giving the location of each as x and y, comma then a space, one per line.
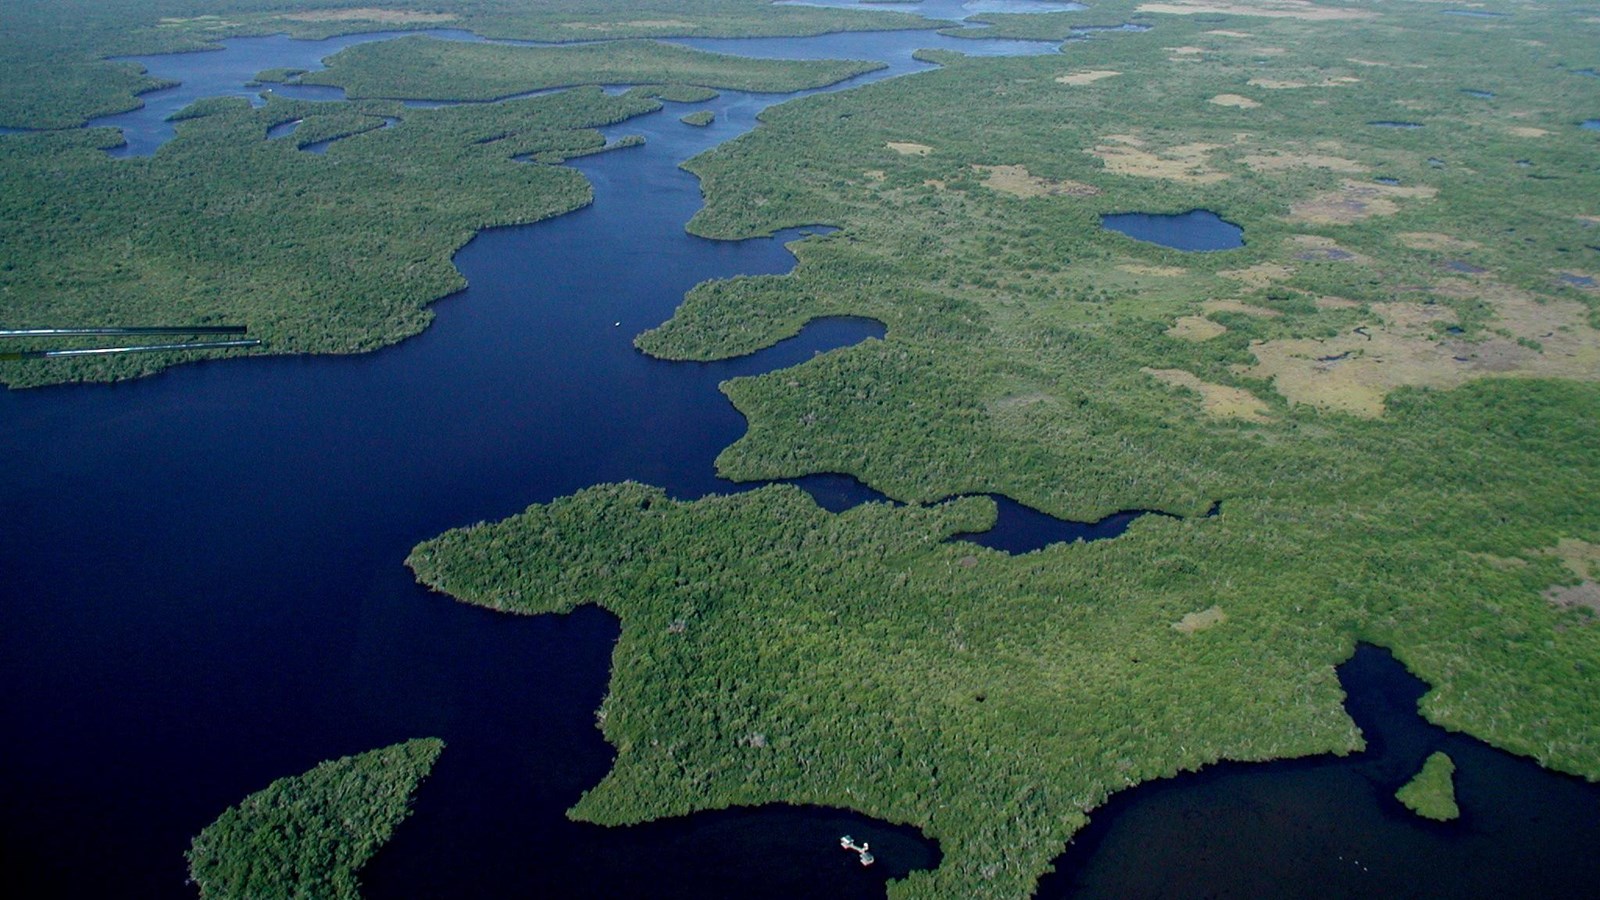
1276, 829
1197, 230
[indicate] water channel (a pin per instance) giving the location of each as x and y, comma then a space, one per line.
204, 579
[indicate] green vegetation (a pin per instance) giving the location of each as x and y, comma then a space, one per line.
424, 68
339, 252
699, 119
53, 51
1431, 794
307, 835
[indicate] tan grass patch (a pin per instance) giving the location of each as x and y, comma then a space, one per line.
1196, 329
1186, 163
1502, 563
1158, 271
1258, 275
1217, 400
1336, 303
1186, 51
1235, 100
1585, 594
1267, 9
1017, 401
934, 183
1581, 557
1355, 372
1322, 249
1527, 131
875, 174
1433, 240
1200, 621
370, 14
909, 148
1274, 84
1019, 182
1269, 51
1278, 162
1236, 34
1087, 77
1355, 201
1236, 306
1588, 220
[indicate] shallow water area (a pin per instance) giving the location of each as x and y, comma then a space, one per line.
1591, 124
1386, 123
230, 72
1197, 230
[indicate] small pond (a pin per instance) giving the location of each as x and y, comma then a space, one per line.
1481, 95
1197, 230
1591, 124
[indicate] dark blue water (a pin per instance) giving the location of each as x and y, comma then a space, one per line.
1481, 95
1591, 124
1195, 230
1331, 828
1475, 14
1385, 123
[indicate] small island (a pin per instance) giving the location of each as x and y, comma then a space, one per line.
307, 835
1431, 794
699, 119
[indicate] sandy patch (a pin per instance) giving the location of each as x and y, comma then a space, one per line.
370, 14
1018, 182
908, 148
1087, 77
1196, 329
1258, 275
1234, 100
1274, 84
1237, 34
1373, 63
1200, 621
1527, 131
1217, 400
934, 183
1336, 303
1269, 51
1185, 51
1433, 240
1588, 220
1186, 163
1355, 201
1158, 271
1267, 9
875, 174
1278, 162
1355, 372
